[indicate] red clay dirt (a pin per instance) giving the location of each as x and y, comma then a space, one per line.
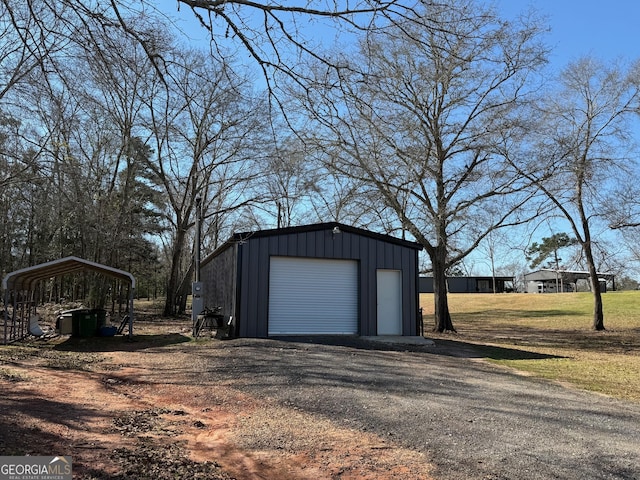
140, 411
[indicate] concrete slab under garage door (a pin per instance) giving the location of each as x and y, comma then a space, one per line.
313, 296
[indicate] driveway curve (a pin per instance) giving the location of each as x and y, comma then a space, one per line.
470, 419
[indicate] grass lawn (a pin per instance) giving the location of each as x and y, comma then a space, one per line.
550, 336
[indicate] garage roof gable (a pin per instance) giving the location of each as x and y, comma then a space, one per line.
328, 226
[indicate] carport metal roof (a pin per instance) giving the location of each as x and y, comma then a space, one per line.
26, 278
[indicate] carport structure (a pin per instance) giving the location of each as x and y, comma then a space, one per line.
19, 286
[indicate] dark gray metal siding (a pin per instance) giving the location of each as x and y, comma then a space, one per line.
218, 275
371, 254
462, 285
454, 284
467, 284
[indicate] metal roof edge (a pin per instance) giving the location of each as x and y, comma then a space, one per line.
48, 270
217, 251
553, 270
477, 277
326, 226
240, 237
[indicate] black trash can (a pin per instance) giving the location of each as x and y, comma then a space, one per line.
84, 323
101, 317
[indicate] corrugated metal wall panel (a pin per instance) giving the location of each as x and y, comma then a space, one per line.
254, 255
313, 296
218, 276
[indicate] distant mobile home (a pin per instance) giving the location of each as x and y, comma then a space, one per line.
324, 278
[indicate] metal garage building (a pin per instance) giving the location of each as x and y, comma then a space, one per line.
325, 278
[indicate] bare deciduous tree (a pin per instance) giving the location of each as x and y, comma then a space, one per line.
584, 151
202, 122
274, 34
422, 114
28, 37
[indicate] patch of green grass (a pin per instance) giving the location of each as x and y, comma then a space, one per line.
613, 375
558, 328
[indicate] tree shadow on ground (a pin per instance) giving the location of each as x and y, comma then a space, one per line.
515, 314
23, 423
452, 348
456, 348
121, 343
556, 338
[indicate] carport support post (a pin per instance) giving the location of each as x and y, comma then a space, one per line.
6, 314
131, 297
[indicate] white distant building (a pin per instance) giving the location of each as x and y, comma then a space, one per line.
554, 281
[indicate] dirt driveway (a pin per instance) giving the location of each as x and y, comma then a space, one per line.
166, 407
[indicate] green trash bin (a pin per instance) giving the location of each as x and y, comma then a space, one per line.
75, 320
84, 323
101, 317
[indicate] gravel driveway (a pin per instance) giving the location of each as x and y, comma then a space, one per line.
470, 419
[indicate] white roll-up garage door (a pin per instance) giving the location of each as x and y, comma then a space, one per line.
312, 296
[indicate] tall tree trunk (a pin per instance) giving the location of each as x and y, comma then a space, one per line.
174, 283
598, 313
184, 290
443, 321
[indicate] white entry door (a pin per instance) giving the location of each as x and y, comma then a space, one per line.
389, 302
